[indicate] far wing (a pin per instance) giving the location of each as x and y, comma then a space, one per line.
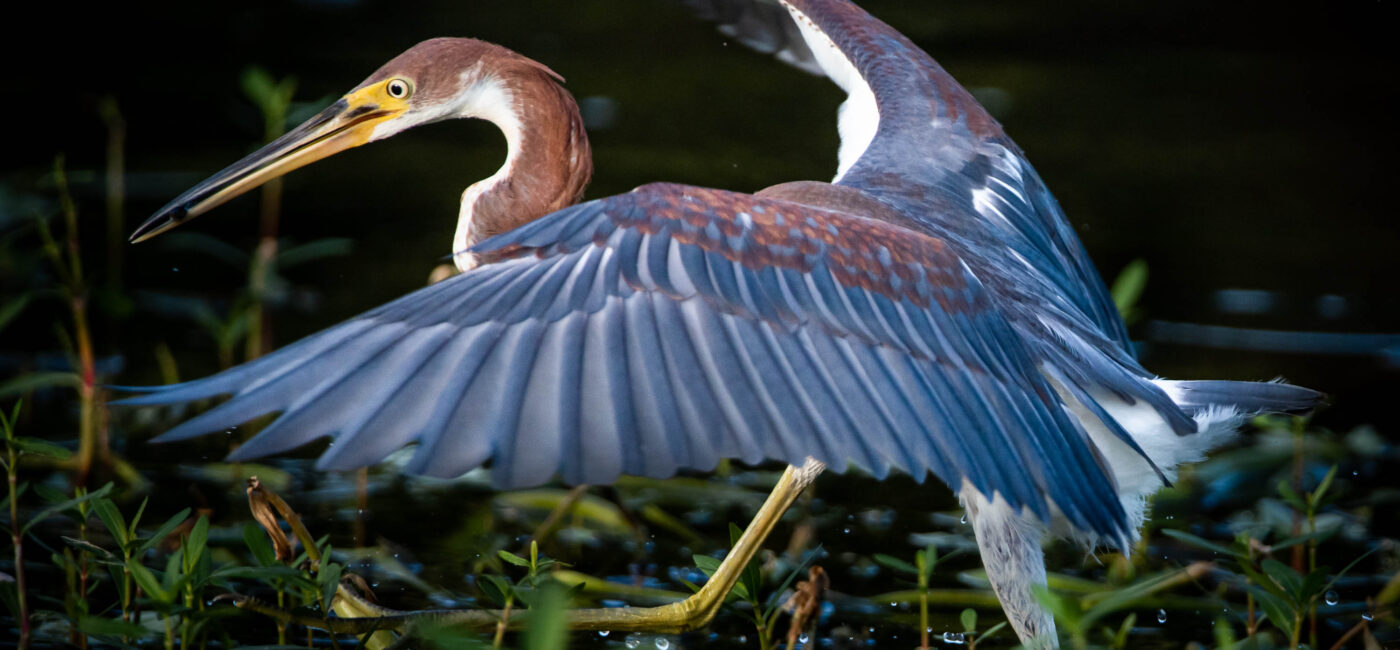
671, 327
763, 25
914, 137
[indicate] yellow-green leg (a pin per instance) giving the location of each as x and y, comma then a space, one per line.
692, 613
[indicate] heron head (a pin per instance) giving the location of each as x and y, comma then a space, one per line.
438, 79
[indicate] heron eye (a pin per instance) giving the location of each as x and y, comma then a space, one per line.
398, 88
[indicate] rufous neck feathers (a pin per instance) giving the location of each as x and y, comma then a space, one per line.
548, 163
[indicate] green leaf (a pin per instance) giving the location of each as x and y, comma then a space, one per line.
12, 308
165, 530
1319, 536
136, 518
173, 578
927, 559
513, 558
968, 618
1120, 640
991, 631
259, 544
194, 545
895, 563
1128, 286
1286, 491
1105, 603
752, 576
66, 505
548, 625
706, 564
1202, 543
710, 565
37, 380
111, 627
9, 594
83, 545
314, 250
1286, 577
1277, 609
495, 588
112, 518
41, 447
7, 422
1312, 584
329, 577
1317, 494
50, 495
261, 573
1264, 582
148, 583
1224, 635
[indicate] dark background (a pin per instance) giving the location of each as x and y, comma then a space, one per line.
1239, 149
1234, 147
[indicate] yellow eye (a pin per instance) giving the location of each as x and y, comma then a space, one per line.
399, 88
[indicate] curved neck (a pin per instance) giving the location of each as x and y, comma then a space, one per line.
547, 166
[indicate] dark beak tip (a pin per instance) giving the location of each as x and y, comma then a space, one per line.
167, 218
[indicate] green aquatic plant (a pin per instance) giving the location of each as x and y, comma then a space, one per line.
748, 589
925, 561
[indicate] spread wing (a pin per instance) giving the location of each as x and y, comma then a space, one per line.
668, 328
911, 135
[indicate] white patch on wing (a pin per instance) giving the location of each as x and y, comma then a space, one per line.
1003, 190
859, 116
984, 200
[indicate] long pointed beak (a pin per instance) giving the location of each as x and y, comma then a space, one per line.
345, 124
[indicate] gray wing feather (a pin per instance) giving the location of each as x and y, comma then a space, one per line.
619, 347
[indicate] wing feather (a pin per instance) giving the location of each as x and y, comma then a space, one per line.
660, 330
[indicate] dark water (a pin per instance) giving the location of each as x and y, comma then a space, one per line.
1238, 150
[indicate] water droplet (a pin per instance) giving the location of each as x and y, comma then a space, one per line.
743, 638
1368, 616
846, 531
964, 519
803, 638
1331, 597
1161, 616
662, 643
604, 632
954, 638
633, 642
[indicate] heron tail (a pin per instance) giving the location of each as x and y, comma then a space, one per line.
1247, 397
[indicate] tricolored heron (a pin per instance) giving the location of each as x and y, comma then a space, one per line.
929, 310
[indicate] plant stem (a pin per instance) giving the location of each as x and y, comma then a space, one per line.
16, 536
923, 610
89, 444
127, 590
501, 626
82, 579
